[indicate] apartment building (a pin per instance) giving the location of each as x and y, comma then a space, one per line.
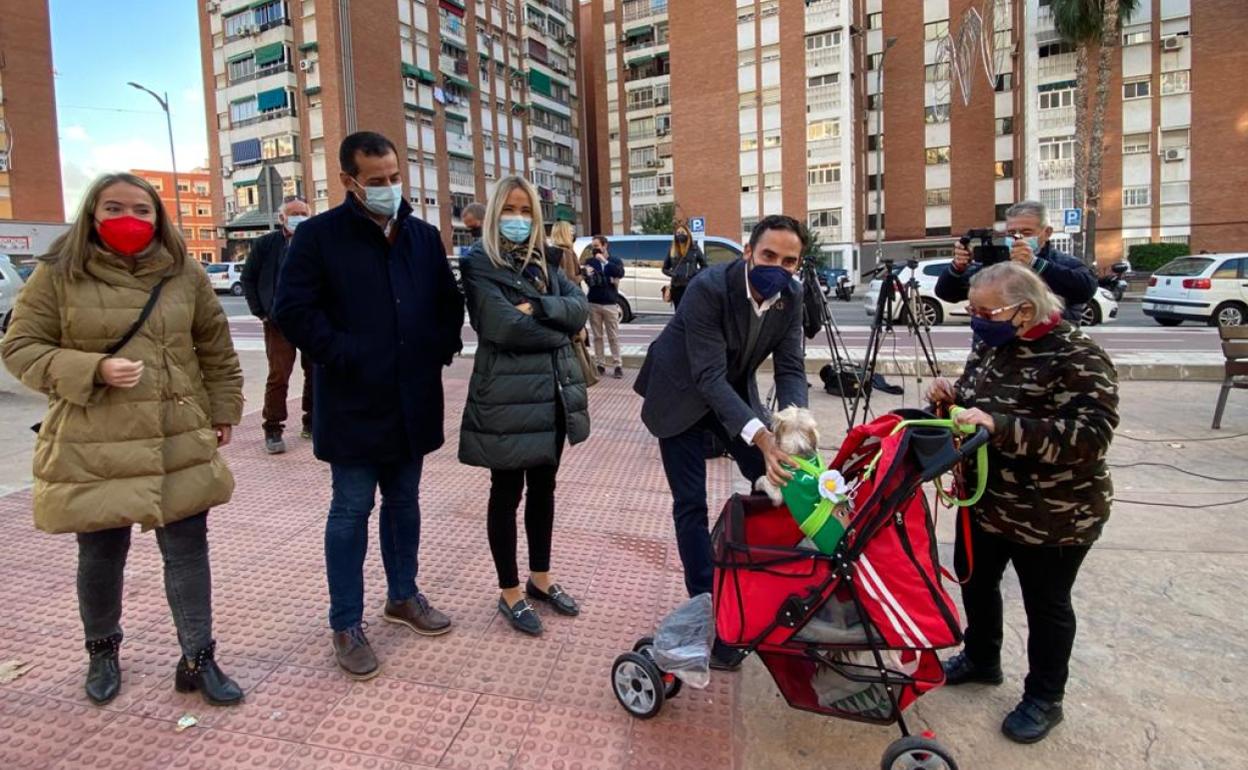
193, 200
29, 148
469, 90
1169, 142
720, 109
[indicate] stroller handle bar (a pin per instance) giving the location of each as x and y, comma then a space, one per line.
976, 443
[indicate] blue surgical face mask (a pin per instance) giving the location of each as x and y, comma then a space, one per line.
1033, 242
383, 200
516, 229
769, 280
994, 334
294, 221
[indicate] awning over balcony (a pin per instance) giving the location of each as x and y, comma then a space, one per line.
464, 84
636, 32
640, 60
540, 82
564, 213
246, 151
247, 176
273, 99
267, 54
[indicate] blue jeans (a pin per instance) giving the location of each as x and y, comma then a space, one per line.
346, 534
684, 463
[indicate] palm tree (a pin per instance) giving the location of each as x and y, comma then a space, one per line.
1089, 24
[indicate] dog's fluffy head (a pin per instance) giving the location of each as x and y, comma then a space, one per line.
797, 432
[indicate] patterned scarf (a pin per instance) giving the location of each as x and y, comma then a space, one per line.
519, 256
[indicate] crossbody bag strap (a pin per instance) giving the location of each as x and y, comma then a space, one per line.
143, 315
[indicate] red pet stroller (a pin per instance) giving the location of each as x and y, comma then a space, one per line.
854, 633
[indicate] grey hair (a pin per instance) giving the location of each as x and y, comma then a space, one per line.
1029, 209
1019, 284
291, 199
475, 209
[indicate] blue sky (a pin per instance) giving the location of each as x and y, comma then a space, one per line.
104, 124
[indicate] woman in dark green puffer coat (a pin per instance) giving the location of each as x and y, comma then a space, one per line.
527, 395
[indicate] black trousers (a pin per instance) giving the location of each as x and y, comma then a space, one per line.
188, 581
684, 463
1046, 574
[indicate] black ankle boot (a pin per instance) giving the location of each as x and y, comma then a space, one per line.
202, 674
104, 670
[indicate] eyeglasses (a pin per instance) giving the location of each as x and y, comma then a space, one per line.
986, 314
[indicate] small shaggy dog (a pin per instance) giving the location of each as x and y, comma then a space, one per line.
797, 433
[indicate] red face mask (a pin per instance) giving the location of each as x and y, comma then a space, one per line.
126, 235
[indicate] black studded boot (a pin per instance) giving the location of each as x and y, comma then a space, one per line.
202, 674
104, 670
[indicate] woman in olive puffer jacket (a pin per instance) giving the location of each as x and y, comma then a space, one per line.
527, 395
131, 435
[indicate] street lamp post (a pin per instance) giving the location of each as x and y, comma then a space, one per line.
879, 152
164, 105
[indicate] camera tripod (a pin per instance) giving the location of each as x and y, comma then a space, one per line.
841, 360
897, 301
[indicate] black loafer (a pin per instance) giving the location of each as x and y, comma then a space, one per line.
558, 598
725, 658
1031, 720
522, 616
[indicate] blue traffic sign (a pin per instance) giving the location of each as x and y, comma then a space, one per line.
1072, 218
697, 225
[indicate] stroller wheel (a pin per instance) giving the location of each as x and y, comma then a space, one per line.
916, 752
671, 682
638, 684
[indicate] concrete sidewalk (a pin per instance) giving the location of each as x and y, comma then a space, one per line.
1156, 677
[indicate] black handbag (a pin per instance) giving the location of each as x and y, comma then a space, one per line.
116, 347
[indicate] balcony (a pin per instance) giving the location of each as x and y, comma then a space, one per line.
1061, 118
823, 98
1062, 65
453, 65
830, 234
823, 15
635, 10
824, 149
824, 58
460, 179
1044, 19
1062, 168
285, 112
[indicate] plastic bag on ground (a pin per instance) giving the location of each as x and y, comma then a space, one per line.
682, 643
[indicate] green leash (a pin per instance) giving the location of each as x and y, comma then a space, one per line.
981, 455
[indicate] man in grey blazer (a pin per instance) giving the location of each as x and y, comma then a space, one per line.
699, 376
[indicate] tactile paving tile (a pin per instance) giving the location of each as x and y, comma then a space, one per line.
130, 743
508, 663
53, 656
379, 717
667, 743
288, 705
562, 738
431, 660
319, 758
221, 750
492, 735
444, 725
162, 701
581, 678
35, 731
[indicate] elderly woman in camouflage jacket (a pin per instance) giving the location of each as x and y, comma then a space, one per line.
1048, 395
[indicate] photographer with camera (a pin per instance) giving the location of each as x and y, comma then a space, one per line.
1027, 243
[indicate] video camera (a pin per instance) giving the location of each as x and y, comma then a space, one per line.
986, 253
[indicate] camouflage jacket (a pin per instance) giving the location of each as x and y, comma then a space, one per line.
1054, 402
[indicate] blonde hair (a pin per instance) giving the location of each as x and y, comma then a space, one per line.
490, 237
69, 253
1019, 284
561, 235
677, 250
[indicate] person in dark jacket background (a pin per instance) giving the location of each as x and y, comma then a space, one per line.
602, 278
684, 261
259, 285
527, 396
1028, 234
368, 295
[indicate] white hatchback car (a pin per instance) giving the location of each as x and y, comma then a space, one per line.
935, 311
1209, 288
226, 277
10, 284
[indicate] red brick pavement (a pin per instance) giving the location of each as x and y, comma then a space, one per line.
482, 696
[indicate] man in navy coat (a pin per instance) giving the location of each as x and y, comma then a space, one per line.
367, 294
699, 377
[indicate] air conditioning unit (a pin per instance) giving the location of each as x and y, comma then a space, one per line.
662, 102
664, 190
409, 84
2, 126
249, 30
306, 65
661, 132
1174, 154
211, 7
4, 161
226, 171
1172, 43
652, 163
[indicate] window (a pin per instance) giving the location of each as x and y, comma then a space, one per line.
749, 183
1183, 239
1127, 243
936, 30
1134, 197
241, 69
874, 221
1005, 82
998, 212
873, 101
1175, 192
205, 233
749, 143
936, 114
1057, 148
1005, 126
823, 40
829, 79
934, 232
1052, 100
875, 182
1055, 49
1136, 89
875, 142
873, 61
823, 129
243, 110
875, 20
203, 210
1136, 35
824, 174
1058, 198
201, 188
824, 218
1176, 137
772, 182
771, 138
936, 155
941, 196
933, 73
1004, 169
1231, 268
1133, 144
157, 184
1178, 82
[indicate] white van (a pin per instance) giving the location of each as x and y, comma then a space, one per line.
10, 284
641, 288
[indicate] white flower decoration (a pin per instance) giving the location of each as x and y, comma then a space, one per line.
832, 486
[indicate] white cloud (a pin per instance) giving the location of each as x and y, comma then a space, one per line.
75, 134
82, 163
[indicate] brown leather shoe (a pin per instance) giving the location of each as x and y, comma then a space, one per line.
355, 655
417, 614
